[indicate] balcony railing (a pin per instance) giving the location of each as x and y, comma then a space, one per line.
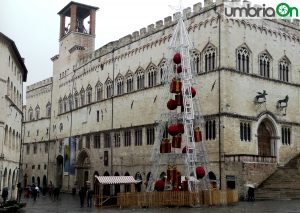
250, 158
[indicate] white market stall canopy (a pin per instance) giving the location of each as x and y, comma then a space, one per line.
116, 179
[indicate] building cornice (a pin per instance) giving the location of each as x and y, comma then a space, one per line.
251, 118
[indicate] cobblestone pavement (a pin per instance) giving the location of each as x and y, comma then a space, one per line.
70, 204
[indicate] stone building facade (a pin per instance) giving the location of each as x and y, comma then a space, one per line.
13, 74
108, 100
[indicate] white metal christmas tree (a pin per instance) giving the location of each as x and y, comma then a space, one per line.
183, 122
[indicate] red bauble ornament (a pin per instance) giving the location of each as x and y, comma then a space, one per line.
180, 128
173, 129
172, 104
159, 185
200, 172
193, 91
179, 69
177, 58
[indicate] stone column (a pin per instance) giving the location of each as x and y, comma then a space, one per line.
62, 26
92, 21
73, 18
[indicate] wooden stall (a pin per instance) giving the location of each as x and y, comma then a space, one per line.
108, 188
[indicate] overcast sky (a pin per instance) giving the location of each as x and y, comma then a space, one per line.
34, 25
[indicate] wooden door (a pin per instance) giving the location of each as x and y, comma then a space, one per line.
264, 141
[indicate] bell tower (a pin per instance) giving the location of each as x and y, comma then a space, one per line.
77, 28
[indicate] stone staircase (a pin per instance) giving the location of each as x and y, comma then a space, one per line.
283, 184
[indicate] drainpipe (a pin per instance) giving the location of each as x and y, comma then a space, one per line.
49, 132
71, 122
112, 112
21, 145
219, 99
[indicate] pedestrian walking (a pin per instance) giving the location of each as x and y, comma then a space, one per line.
251, 194
50, 189
56, 193
34, 192
89, 197
37, 191
4, 194
82, 193
19, 192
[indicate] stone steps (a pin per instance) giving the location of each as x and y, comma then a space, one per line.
277, 194
283, 184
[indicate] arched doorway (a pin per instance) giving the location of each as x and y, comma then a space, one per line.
25, 180
138, 186
266, 138
59, 170
5, 178
38, 181
106, 187
127, 186
117, 186
212, 179
96, 173
82, 168
44, 181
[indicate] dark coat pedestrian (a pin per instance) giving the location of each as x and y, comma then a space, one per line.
251, 194
56, 193
82, 193
89, 197
34, 193
19, 192
4, 194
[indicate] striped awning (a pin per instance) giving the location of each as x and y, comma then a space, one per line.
116, 179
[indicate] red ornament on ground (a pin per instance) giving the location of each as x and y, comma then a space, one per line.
179, 69
159, 185
200, 172
177, 58
172, 104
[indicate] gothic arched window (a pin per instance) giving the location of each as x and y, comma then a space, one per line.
209, 54
152, 73
195, 61
162, 68
89, 94
109, 88
60, 105
70, 100
76, 100
37, 112
99, 91
140, 79
120, 85
264, 65
129, 82
65, 104
30, 114
48, 109
82, 96
243, 60
284, 69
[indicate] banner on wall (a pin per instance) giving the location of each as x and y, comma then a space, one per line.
66, 156
72, 155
